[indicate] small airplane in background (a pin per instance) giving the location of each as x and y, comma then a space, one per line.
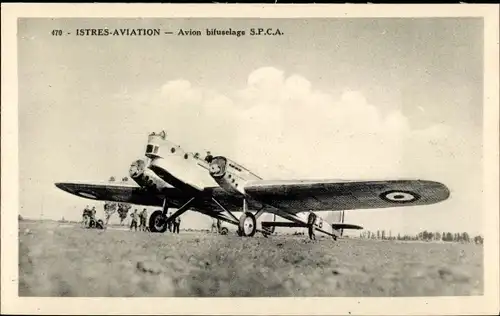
218, 187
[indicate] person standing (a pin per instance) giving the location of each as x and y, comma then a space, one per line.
219, 226
209, 157
109, 209
85, 216
214, 226
133, 223
169, 225
312, 236
177, 224
143, 217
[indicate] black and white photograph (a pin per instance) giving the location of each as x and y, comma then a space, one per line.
224, 156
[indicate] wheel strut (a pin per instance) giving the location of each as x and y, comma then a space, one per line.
180, 210
225, 210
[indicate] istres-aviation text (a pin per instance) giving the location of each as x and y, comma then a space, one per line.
261, 31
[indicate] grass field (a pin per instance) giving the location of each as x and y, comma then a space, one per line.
61, 261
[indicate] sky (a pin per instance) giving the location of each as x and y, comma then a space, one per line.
330, 99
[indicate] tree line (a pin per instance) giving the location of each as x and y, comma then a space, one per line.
424, 236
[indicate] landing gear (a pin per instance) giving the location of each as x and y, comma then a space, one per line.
157, 222
158, 219
247, 225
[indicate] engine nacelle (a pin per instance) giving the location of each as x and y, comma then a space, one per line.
145, 177
225, 176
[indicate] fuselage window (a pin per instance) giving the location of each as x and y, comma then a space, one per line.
172, 150
185, 156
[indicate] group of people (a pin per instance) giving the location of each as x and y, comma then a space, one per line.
216, 225
142, 216
87, 215
143, 226
175, 225
138, 219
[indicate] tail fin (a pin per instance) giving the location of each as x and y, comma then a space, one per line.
346, 226
338, 217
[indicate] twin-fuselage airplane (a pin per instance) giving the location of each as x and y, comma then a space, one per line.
218, 187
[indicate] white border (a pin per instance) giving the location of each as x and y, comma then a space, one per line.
11, 303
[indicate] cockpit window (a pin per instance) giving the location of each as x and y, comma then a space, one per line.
149, 149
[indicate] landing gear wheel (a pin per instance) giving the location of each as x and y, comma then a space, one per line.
92, 223
157, 222
223, 231
334, 238
238, 232
247, 225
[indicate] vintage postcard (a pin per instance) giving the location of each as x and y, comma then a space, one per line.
298, 159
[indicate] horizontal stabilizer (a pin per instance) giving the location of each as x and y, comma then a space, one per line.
282, 224
345, 226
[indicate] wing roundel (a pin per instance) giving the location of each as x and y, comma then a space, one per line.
395, 196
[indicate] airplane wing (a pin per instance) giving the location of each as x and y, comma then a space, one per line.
297, 196
124, 193
134, 194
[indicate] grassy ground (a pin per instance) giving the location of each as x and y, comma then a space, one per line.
57, 261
